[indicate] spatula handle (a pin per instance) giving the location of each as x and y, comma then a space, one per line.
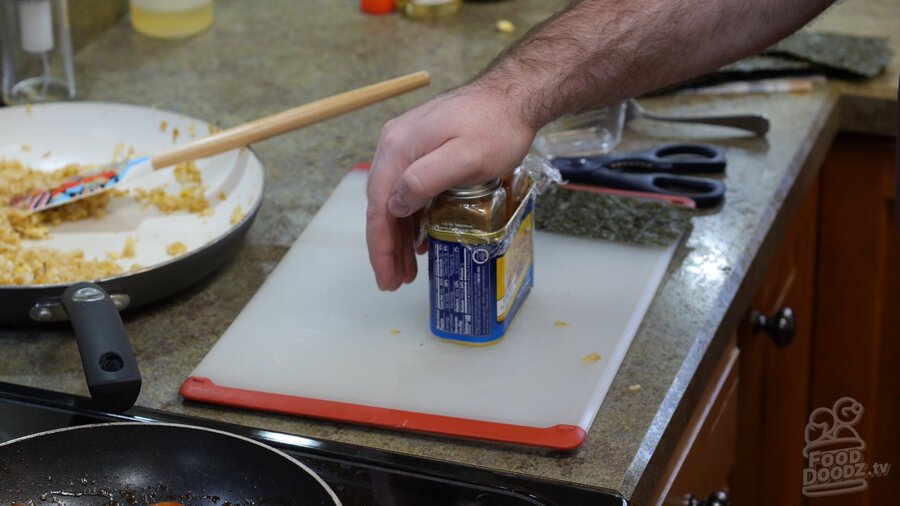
291, 119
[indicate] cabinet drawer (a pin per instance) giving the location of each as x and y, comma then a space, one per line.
705, 455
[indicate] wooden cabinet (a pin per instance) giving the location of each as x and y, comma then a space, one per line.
838, 269
856, 347
705, 454
775, 378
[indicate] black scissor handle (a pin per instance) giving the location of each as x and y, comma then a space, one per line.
682, 158
674, 158
704, 192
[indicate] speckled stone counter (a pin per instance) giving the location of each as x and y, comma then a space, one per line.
262, 57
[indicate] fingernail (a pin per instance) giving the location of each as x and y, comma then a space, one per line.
397, 207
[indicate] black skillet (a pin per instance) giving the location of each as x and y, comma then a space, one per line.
138, 464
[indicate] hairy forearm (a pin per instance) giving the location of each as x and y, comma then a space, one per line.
600, 51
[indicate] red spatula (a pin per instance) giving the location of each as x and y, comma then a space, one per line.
241, 135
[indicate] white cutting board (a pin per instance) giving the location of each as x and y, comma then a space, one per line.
318, 339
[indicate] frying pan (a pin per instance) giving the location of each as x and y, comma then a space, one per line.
49, 136
144, 463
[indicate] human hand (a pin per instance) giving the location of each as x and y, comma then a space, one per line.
466, 136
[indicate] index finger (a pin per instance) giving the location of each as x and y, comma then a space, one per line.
384, 234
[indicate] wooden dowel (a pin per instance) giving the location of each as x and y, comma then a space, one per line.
291, 119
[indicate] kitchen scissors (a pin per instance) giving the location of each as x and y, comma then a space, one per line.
659, 170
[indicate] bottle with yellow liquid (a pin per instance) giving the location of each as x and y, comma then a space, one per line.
428, 9
171, 19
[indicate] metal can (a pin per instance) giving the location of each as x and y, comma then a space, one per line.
480, 265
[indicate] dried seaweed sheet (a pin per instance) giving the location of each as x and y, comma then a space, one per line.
861, 56
610, 217
803, 53
769, 64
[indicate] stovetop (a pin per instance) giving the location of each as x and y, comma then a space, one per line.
358, 475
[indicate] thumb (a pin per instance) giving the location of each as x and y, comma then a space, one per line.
448, 166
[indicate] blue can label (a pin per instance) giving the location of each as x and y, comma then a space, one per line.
477, 287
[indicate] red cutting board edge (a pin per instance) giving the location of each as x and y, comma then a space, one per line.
558, 437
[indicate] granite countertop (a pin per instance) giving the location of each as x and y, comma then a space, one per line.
261, 59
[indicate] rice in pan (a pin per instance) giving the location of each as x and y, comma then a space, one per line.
33, 264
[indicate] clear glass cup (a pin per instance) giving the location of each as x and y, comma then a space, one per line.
594, 132
38, 62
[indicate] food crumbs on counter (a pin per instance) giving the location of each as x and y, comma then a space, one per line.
176, 248
192, 129
394, 332
222, 196
560, 323
163, 125
634, 388
26, 148
505, 26
591, 358
237, 214
175, 134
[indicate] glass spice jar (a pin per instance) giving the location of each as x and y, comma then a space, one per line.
475, 208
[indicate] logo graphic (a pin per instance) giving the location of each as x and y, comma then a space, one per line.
835, 453
481, 256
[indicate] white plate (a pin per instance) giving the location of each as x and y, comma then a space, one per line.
50, 136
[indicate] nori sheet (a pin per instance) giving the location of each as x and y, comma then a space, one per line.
860, 56
610, 217
803, 53
767, 63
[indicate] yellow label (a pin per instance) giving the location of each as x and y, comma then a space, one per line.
513, 266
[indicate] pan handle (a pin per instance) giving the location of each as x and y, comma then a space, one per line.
109, 365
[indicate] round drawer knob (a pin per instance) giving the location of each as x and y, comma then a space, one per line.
717, 498
781, 326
